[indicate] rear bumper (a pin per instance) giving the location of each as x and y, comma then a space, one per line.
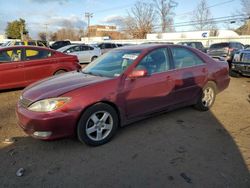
223, 84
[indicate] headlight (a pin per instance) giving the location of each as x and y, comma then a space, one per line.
48, 105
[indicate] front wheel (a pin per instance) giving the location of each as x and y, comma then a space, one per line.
207, 97
97, 124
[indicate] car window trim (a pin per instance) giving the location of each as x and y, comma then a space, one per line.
191, 53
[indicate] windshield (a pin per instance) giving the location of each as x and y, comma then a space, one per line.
245, 58
219, 45
112, 64
6, 44
64, 48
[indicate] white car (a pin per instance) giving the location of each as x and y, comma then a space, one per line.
85, 53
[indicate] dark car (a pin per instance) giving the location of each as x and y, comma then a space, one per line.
241, 64
23, 65
122, 86
197, 45
58, 44
225, 50
106, 46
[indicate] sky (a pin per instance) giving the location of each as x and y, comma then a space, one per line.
55, 14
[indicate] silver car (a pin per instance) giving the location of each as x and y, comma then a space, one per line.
85, 53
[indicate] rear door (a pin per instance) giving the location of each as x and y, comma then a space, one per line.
38, 64
190, 74
85, 53
11, 68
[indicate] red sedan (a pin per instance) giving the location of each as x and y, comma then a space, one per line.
23, 65
120, 87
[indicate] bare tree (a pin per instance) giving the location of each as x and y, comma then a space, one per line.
202, 18
66, 34
42, 35
246, 6
164, 9
140, 20
244, 29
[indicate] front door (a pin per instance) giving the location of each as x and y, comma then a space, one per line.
151, 93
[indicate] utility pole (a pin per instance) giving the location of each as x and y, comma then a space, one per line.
88, 15
46, 31
21, 32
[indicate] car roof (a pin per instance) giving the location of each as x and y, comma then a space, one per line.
144, 47
22, 46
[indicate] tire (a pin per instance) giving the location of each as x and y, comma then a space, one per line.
93, 58
59, 72
207, 97
234, 74
97, 125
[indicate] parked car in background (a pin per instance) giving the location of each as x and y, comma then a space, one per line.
106, 46
58, 44
85, 53
26, 43
122, 86
158, 42
241, 64
23, 65
247, 46
197, 45
225, 50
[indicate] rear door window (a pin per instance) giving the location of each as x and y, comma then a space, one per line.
219, 45
185, 58
33, 54
108, 45
84, 48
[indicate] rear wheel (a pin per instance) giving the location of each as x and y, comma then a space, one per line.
207, 98
93, 58
97, 124
59, 72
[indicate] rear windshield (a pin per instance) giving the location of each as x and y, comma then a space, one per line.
245, 58
220, 45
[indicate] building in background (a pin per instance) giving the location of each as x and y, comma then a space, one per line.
193, 35
108, 32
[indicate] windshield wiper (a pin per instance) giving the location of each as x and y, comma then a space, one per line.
91, 73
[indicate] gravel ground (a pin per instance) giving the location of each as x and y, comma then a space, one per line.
182, 148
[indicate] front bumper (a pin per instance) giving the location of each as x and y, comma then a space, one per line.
242, 68
52, 125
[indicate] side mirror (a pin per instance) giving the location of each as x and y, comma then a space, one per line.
138, 73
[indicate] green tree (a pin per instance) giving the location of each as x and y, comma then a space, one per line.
16, 29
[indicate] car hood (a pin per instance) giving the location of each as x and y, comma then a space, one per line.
60, 84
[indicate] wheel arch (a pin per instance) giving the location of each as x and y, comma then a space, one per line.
103, 102
62, 69
214, 84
